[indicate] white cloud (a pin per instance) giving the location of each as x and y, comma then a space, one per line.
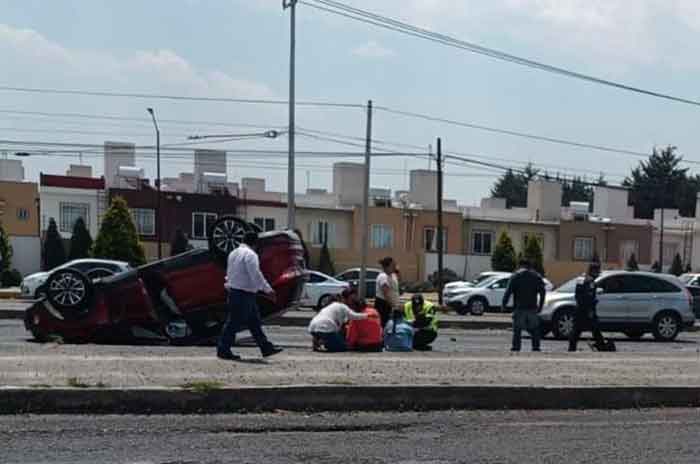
372, 49
39, 61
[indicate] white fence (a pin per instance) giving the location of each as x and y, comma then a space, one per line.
26, 254
466, 266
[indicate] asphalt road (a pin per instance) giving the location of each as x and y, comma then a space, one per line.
13, 337
639, 437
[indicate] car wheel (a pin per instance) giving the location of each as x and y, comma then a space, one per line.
477, 306
634, 334
226, 234
667, 326
563, 324
460, 309
68, 289
324, 301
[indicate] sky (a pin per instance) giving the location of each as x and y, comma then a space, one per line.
240, 49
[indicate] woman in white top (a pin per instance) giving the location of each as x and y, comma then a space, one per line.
386, 298
326, 327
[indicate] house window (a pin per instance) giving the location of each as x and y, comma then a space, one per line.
482, 242
627, 249
322, 232
583, 248
145, 220
201, 223
266, 224
539, 237
22, 214
70, 212
430, 239
382, 236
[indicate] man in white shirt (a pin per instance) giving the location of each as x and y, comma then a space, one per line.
326, 327
243, 281
386, 299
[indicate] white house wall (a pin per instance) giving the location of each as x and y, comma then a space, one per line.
26, 254
52, 197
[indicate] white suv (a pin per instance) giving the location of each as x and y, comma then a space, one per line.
633, 303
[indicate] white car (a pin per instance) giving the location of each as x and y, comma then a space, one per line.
320, 290
484, 295
454, 288
33, 285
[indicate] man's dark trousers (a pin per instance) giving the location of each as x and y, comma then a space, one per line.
583, 322
526, 319
242, 312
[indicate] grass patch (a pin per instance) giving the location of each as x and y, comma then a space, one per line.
75, 382
203, 386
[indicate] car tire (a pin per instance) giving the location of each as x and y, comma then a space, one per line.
461, 309
226, 234
324, 301
563, 324
477, 306
667, 326
69, 290
634, 334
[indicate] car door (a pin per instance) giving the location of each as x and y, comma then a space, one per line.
496, 291
641, 296
612, 302
312, 289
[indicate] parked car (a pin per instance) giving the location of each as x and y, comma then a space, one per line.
453, 288
320, 289
352, 276
690, 279
181, 299
33, 285
487, 294
633, 303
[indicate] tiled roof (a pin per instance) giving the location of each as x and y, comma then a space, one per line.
88, 183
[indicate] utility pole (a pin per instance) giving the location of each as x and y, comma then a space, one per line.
158, 221
291, 4
440, 244
365, 204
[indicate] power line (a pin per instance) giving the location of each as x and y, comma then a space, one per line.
100, 93
408, 29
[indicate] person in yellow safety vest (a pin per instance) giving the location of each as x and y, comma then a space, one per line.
423, 315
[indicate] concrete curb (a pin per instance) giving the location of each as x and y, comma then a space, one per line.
338, 398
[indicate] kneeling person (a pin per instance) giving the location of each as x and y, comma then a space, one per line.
327, 326
398, 334
365, 334
423, 315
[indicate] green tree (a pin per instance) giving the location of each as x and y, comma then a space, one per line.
632, 264
677, 265
180, 243
54, 252
117, 238
5, 250
325, 261
80, 242
661, 182
503, 256
533, 253
576, 190
513, 186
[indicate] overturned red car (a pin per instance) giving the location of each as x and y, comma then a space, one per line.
179, 299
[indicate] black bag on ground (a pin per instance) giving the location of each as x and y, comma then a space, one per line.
607, 346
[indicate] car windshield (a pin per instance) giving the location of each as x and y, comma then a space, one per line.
482, 278
489, 281
685, 278
568, 287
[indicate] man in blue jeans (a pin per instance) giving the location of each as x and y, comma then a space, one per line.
243, 281
526, 286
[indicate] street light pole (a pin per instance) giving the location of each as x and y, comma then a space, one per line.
158, 222
365, 204
291, 4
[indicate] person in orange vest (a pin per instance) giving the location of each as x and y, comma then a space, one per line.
365, 334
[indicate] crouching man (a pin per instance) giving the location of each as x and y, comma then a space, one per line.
328, 326
423, 315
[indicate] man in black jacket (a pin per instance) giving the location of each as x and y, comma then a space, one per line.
585, 317
526, 286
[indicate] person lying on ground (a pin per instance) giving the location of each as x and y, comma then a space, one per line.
327, 326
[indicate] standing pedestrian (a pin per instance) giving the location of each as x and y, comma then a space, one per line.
526, 286
327, 327
585, 317
386, 298
243, 282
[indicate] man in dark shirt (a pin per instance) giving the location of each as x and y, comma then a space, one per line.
526, 286
585, 317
